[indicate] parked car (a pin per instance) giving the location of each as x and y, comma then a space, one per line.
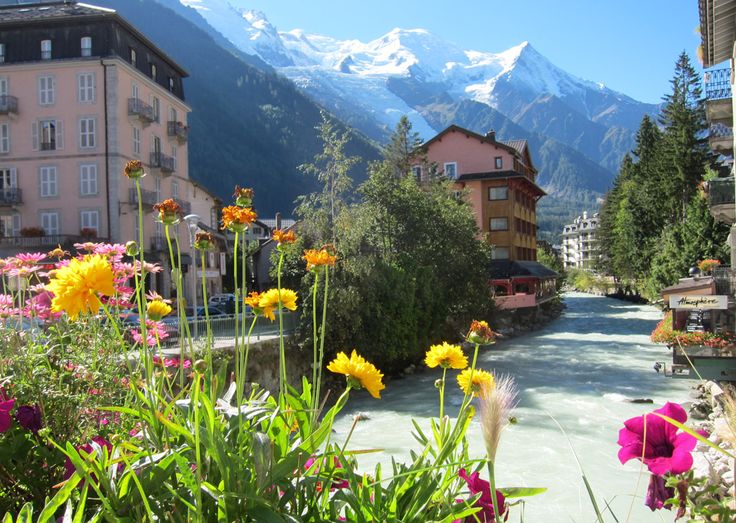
226, 302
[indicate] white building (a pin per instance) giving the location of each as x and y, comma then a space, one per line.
580, 242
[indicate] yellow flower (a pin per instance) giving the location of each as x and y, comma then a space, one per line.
269, 301
319, 258
77, 286
480, 380
157, 309
359, 373
446, 356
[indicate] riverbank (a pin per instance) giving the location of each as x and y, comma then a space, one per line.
511, 323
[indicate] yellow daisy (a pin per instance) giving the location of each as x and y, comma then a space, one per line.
77, 286
480, 380
157, 309
446, 356
359, 372
269, 301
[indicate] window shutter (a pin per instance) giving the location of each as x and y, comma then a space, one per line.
34, 134
94, 87
16, 224
13, 177
59, 134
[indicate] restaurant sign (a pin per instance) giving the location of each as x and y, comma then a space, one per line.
696, 301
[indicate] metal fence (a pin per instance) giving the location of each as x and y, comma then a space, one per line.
717, 84
223, 327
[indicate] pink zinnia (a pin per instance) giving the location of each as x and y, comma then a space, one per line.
30, 258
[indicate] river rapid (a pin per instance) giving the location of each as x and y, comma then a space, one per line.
581, 370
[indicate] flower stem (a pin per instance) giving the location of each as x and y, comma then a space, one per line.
497, 516
282, 352
238, 370
315, 341
442, 394
322, 334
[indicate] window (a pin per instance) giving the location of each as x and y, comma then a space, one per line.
134, 91
153, 71
46, 90
451, 170
136, 141
156, 146
498, 162
500, 253
88, 179
2, 53
45, 49
4, 86
9, 225
89, 220
86, 45
48, 181
50, 223
499, 224
416, 170
173, 155
173, 117
86, 87
47, 135
171, 84
156, 109
157, 188
498, 193
174, 189
8, 179
4, 138
133, 56
87, 133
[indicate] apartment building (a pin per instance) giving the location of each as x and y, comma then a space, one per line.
82, 92
580, 242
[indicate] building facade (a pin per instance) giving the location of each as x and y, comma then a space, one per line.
580, 242
82, 92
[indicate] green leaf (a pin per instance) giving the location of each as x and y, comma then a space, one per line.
48, 512
694, 434
522, 492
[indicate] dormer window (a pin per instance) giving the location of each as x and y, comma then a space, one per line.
45, 49
153, 71
86, 45
133, 56
171, 84
498, 162
2, 53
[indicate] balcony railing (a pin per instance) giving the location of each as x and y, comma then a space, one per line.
721, 191
48, 146
8, 104
717, 84
186, 207
167, 164
141, 109
725, 279
158, 243
10, 196
45, 240
147, 197
178, 130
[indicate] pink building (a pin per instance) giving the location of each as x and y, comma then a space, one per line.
82, 92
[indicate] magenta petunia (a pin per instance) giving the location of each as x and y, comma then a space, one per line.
482, 487
337, 483
98, 443
29, 417
657, 493
666, 450
6, 421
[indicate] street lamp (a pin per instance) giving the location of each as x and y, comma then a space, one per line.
193, 224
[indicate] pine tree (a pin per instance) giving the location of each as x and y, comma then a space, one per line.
402, 147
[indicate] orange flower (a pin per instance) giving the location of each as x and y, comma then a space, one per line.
319, 258
243, 197
237, 218
283, 237
204, 241
481, 333
252, 300
134, 170
169, 212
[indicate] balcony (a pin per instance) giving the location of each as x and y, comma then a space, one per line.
186, 207
8, 105
11, 196
166, 164
179, 131
720, 138
141, 110
158, 243
721, 199
20, 243
148, 198
718, 96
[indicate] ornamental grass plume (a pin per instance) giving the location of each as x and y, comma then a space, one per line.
358, 372
446, 356
78, 285
473, 381
496, 403
269, 301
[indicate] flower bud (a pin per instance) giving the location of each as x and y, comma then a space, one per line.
200, 366
131, 248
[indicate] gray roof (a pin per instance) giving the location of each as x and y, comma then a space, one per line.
48, 10
519, 145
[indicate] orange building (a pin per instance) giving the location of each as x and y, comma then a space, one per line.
502, 190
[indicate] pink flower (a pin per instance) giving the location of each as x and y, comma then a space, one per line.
657, 493
29, 417
97, 444
30, 258
664, 450
5, 419
153, 329
482, 487
337, 483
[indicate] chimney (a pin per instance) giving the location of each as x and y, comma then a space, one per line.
491, 135
278, 220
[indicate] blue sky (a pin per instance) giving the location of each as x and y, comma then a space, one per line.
629, 45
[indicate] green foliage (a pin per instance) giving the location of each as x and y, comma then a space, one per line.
548, 257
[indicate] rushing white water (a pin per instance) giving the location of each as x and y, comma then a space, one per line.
581, 369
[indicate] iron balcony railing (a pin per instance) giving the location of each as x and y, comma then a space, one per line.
46, 240
8, 104
141, 109
721, 191
163, 162
178, 130
725, 280
719, 130
147, 197
10, 196
717, 84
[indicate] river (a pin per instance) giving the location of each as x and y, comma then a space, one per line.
580, 369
